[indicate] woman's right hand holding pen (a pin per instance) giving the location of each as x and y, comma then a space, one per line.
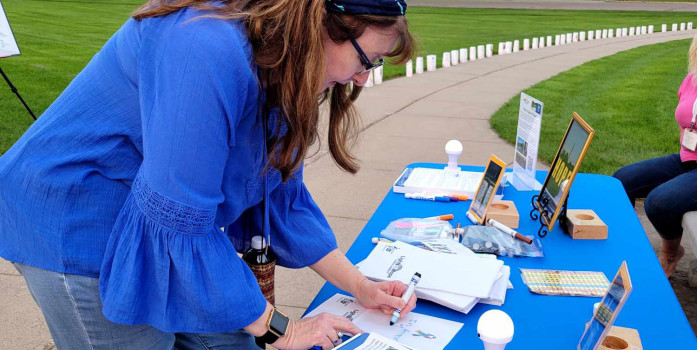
321, 330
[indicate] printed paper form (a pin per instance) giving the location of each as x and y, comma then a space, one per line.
399, 261
8, 45
437, 180
414, 330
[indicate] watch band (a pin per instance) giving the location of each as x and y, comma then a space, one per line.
272, 335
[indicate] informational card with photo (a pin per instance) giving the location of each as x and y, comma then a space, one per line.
527, 142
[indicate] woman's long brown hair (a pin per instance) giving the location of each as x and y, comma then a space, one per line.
286, 37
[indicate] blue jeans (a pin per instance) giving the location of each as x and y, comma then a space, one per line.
670, 189
73, 311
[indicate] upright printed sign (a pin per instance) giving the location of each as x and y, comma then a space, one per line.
527, 141
8, 45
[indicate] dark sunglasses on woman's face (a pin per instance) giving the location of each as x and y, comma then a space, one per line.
369, 66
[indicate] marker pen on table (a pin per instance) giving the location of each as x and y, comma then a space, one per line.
472, 218
445, 217
406, 296
509, 231
427, 197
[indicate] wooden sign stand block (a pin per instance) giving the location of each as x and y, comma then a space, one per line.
622, 338
504, 212
585, 224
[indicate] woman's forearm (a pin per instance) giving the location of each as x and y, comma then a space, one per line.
338, 270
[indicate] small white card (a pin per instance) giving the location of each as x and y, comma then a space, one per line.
689, 139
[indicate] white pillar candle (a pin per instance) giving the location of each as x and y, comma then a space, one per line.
624, 32
463, 55
631, 31
526, 44
569, 38
419, 65
535, 43
369, 82
473, 53
377, 75
574, 38
549, 41
445, 62
481, 51
516, 45
682, 26
509, 47
610, 33
502, 49
664, 28
454, 57
674, 27
651, 29
431, 62
489, 50
591, 35
410, 68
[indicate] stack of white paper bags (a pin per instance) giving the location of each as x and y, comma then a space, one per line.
458, 280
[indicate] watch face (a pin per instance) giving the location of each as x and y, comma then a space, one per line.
279, 323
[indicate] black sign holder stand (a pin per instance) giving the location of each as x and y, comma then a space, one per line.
538, 215
14, 90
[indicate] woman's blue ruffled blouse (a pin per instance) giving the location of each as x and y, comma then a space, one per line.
129, 175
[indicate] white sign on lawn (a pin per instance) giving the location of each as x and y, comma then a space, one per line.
8, 45
527, 141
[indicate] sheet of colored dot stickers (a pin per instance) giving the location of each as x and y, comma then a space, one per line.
570, 283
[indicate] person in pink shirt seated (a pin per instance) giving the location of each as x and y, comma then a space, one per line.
669, 183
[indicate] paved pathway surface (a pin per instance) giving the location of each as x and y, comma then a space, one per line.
405, 120
565, 5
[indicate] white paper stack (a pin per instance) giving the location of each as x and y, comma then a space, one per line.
451, 275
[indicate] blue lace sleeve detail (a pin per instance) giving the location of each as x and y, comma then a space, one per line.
168, 213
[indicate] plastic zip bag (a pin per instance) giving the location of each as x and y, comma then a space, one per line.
411, 230
487, 239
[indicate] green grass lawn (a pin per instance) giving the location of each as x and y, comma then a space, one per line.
628, 98
445, 29
58, 38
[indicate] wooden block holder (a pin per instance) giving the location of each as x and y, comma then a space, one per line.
583, 227
504, 212
620, 338
584, 224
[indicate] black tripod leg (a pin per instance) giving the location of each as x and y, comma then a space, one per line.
14, 90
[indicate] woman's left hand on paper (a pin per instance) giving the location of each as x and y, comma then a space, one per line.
384, 295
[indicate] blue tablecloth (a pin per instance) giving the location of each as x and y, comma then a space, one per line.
555, 322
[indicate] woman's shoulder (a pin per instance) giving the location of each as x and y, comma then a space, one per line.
198, 29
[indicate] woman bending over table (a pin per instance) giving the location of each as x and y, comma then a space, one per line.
194, 116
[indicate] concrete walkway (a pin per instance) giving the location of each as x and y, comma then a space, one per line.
565, 5
405, 120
